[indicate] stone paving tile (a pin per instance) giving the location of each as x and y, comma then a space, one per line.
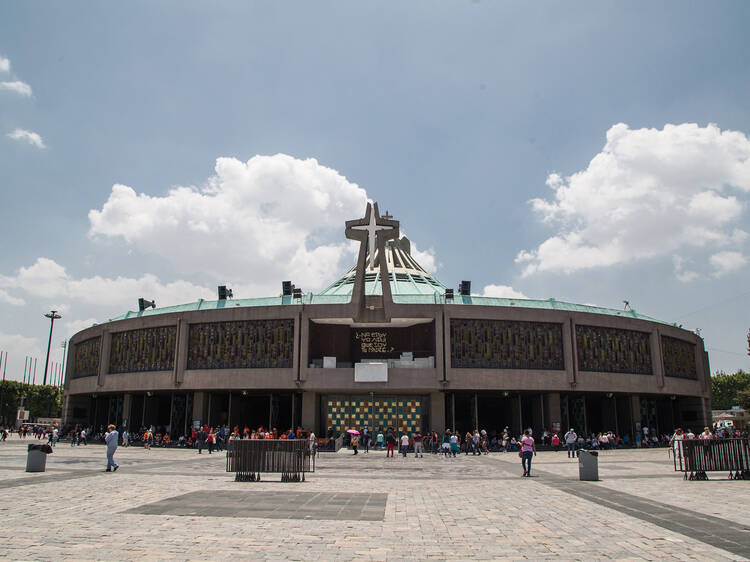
468, 507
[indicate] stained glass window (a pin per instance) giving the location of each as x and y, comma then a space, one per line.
679, 358
147, 349
613, 350
247, 344
506, 344
86, 360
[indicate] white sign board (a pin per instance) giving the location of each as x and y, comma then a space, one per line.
23, 415
371, 372
329, 362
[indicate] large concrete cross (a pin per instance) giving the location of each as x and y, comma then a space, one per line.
372, 231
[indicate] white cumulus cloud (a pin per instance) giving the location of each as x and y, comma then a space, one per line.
648, 194
46, 278
726, 262
16, 86
4, 64
27, 136
253, 223
502, 291
10, 299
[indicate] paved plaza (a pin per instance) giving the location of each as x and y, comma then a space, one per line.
175, 504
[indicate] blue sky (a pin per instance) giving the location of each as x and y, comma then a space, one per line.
628, 124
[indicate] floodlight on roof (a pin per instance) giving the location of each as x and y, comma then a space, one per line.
465, 288
143, 304
225, 293
286, 288
297, 294
448, 294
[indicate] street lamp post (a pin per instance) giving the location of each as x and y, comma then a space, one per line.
52, 315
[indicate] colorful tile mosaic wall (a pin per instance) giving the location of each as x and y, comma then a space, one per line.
147, 349
505, 344
402, 413
86, 362
248, 344
613, 350
679, 358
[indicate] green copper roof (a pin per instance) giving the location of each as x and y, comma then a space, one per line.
398, 298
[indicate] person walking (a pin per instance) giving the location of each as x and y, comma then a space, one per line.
555, 442
390, 442
570, 442
211, 440
366, 439
404, 444
418, 445
528, 450
201, 439
355, 442
111, 439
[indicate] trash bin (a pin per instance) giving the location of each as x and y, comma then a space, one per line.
36, 458
588, 465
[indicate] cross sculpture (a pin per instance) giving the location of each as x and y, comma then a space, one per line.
372, 231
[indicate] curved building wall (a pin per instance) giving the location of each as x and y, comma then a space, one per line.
549, 362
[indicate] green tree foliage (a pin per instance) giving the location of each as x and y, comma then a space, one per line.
727, 388
41, 401
744, 399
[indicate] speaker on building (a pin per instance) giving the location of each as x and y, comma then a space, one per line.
143, 304
286, 288
465, 288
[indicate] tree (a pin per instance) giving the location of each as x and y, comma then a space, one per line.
744, 399
726, 389
41, 401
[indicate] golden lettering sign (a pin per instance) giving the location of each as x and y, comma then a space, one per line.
373, 342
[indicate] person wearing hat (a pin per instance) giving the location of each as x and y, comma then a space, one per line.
111, 439
570, 442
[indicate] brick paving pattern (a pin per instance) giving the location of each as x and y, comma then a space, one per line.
434, 508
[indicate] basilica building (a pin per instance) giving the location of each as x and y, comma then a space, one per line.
387, 344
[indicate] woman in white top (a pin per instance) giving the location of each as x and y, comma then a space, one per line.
676, 442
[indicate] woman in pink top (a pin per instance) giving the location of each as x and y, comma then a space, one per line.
528, 450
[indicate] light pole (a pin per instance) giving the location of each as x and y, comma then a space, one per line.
52, 315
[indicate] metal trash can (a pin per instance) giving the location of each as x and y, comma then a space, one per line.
36, 458
588, 465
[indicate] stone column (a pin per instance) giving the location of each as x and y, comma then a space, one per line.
199, 407
657, 361
552, 411
106, 344
437, 412
180, 354
309, 409
127, 400
635, 401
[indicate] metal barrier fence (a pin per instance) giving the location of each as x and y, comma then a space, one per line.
696, 457
248, 458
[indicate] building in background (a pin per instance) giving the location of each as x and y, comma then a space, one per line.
387, 344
